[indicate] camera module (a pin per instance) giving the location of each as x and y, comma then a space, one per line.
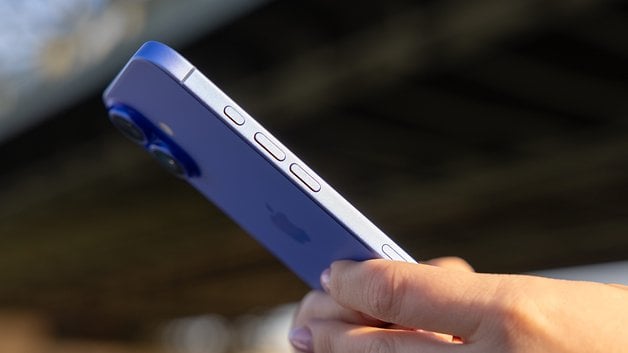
123, 122
165, 158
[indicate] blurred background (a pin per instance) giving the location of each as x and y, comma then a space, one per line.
493, 130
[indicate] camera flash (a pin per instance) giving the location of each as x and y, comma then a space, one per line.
165, 128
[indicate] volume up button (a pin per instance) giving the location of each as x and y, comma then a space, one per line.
269, 146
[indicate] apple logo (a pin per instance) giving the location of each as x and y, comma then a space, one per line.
285, 225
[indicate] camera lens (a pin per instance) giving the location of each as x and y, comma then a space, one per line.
168, 161
123, 122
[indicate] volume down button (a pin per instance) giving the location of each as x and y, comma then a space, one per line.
305, 177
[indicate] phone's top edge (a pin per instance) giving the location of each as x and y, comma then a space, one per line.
164, 57
161, 55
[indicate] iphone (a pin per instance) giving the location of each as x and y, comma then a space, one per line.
164, 104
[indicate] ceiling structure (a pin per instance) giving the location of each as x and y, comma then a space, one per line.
492, 130
77, 45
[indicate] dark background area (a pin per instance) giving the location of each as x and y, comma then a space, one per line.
496, 131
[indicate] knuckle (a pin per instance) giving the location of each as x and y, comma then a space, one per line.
515, 310
461, 263
509, 301
311, 299
383, 291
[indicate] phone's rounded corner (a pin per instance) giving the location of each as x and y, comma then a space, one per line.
168, 59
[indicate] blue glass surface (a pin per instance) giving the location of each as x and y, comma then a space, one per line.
245, 183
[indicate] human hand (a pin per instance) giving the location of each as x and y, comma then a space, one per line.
490, 313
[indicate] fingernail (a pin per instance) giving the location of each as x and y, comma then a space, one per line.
325, 278
301, 339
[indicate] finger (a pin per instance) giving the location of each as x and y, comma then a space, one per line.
451, 262
339, 337
413, 295
319, 305
620, 286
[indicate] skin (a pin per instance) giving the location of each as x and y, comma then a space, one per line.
382, 306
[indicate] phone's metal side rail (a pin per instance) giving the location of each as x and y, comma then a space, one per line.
328, 198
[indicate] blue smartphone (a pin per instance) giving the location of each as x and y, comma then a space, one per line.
165, 105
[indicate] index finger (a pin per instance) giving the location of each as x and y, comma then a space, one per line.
413, 295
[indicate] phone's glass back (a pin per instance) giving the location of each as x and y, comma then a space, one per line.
236, 177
